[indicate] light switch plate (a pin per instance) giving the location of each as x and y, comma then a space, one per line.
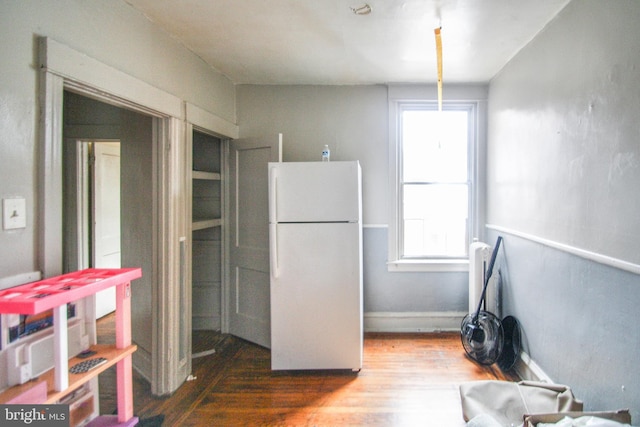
14, 213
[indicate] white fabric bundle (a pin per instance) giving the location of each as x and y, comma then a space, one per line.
586, 421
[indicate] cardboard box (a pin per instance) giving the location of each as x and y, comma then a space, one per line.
621, 416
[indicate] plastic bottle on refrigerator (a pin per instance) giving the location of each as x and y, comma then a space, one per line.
326, 153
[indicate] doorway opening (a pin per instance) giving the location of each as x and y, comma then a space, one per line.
109, 196
98, 166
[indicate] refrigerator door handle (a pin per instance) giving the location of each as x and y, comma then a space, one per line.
273, 188
273, 250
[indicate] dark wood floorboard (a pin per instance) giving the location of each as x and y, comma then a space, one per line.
406, 380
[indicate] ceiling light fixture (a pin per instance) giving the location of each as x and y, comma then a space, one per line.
362, 10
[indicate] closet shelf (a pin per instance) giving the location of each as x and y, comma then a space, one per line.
201, 224
210, 176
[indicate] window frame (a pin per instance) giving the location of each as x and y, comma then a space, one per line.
476, 141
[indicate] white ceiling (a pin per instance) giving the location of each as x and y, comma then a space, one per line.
324, 42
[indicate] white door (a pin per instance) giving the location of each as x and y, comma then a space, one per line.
247, 301
106, 216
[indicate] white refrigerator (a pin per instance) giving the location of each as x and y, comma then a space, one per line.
315, 234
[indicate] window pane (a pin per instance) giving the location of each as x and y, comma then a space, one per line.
435, 220
434, 146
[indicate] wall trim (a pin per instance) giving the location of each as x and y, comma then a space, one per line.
143, 363
443, 321
529, 370
582, 253
210, 122
74, 66
430, 321
19, 279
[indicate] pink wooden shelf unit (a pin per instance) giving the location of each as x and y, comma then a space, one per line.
55, 292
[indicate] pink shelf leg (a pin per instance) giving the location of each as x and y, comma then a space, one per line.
123, 339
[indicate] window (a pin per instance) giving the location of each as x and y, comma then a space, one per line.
433, 186
434, 181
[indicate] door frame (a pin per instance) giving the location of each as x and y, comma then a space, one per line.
66, 69
156, 365
63, 68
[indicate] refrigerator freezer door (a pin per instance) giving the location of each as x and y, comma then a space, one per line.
314, 192
316, 298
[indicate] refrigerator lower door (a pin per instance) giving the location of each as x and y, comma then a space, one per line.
316, 296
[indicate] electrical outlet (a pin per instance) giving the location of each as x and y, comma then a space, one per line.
14, 213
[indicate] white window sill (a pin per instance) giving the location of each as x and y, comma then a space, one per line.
436, 265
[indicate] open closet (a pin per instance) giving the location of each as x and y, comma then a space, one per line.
206, 231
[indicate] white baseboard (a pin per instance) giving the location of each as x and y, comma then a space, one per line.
445, 321
142, 363
431, 321
529, 370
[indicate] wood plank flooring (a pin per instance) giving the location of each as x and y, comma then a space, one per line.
406, 380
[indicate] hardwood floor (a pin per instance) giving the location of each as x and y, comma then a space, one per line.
406, 380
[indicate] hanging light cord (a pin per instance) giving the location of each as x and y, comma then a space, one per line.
439, 53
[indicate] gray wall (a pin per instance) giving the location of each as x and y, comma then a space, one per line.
564, 153
354, 121
111, 32
565, 132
